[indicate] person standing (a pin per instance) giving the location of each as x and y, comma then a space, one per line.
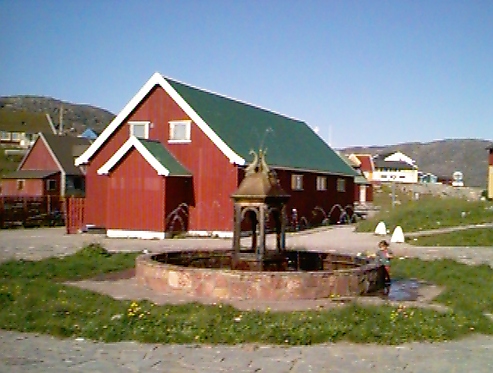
384, 256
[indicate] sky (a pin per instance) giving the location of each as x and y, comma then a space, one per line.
360, 73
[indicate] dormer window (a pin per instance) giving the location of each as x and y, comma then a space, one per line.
179, 131
139, 129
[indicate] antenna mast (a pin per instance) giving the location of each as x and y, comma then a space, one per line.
60, 126
51, 123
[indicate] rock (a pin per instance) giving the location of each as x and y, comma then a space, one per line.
381, 229
398, 235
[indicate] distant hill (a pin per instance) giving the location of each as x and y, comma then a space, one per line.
76, 117
443, 157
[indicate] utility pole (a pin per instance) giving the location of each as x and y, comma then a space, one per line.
393, 190
60, 126
52, 126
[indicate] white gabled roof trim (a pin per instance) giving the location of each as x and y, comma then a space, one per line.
158, 79
133, 142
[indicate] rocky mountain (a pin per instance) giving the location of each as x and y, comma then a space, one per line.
443, 157
76, 118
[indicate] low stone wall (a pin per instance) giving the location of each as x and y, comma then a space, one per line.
256, 285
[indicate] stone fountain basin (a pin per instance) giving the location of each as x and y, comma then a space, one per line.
296, 275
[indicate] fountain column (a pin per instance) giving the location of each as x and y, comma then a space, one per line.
260, 191
261, 246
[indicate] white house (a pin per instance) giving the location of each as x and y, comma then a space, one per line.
395, 167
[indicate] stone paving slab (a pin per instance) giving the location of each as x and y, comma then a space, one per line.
35, 353
35, 244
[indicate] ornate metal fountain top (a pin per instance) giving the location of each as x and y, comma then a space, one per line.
260, 183
258, 164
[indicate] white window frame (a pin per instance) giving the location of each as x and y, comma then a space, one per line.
173, 124
5, 135
321, 183
48, 182
296, 182
133, 124
341, 185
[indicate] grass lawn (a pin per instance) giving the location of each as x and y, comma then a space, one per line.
427, 213
8, 163
431, 213
34, 299
470, 237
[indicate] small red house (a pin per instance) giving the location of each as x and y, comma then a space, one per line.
48, 169
174, 155
363, 188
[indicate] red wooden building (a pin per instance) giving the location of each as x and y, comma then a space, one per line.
174, 155
47, 169
363, 187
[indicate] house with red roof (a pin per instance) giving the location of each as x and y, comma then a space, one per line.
363, 187
174, 155
365, 164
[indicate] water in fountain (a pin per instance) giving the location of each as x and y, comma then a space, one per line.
171, 225
180, 214
336, 206
304, 223
350, 211
326, 219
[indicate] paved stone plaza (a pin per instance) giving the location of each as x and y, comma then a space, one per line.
21, 352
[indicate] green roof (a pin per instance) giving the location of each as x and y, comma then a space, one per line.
361, 180
23, 121
290, 143
167, 160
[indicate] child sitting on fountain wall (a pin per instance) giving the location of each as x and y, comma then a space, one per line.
383, 256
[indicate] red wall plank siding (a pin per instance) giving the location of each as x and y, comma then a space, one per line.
369, 193
96, 193
135, 196
310, 202
32, 187
39, 158
214, 177
490, 158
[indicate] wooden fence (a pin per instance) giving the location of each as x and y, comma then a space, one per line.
75, 215
31, 211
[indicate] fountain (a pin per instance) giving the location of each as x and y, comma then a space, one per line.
257, 272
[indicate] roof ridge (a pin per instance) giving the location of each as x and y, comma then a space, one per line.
157, 142
149, 140
234, 99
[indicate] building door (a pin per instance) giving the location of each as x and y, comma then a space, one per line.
362, 193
